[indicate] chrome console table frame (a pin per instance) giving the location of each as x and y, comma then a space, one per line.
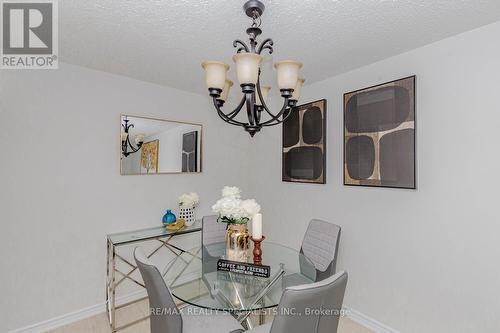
114, 241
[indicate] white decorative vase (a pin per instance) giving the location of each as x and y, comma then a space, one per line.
187, 214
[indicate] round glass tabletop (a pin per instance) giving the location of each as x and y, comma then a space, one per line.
226, 291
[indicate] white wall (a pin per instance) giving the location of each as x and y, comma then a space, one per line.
424, 260
61, 189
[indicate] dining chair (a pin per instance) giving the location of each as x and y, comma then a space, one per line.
165, 316
212, 232
319, 253
316, 308
320, 246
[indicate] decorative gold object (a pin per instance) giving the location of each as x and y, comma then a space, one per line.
237, 242
257, 250
176, 225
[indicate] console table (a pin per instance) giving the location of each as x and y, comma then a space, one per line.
115, 276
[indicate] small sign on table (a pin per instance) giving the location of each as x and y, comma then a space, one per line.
243, 268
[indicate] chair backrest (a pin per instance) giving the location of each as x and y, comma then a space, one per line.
320, 246
212, 231
165, 316
316, 307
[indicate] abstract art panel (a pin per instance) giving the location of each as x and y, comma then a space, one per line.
304, 140
379, 135
149, 156
190, 152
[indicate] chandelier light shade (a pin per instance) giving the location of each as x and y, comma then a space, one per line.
215, 73
248, 59
288, 74
247, 67
139, 139
298, 89
225, 90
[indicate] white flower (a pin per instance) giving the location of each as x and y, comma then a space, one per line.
231, 192
250, 208
189, 200
232, 209
228, 207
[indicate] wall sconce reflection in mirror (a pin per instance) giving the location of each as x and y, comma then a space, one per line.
155, 146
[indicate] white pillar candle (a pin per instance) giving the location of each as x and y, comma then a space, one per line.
257, 226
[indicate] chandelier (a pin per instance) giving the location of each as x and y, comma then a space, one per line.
127, 147
248, 59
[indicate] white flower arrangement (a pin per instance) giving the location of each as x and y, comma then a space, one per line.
232, 209
189, 200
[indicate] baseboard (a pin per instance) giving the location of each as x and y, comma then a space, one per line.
63, 320
368, 322
84, 313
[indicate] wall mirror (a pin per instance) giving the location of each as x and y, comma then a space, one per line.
156, 146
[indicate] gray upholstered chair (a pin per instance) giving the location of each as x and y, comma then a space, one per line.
166, 317
319, 248
316, 308
212, 232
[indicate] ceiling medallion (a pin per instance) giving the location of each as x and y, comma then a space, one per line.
248, 59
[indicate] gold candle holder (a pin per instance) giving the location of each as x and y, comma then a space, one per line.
257, 250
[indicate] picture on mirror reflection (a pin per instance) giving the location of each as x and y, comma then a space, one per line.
156, 146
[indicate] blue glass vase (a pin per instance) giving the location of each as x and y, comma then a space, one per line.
169, 217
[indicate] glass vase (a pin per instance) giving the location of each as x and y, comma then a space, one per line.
237, 242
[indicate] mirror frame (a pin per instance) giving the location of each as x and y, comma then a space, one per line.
163, 173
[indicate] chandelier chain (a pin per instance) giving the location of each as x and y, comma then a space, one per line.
256, 17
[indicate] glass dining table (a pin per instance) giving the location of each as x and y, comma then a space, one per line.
237, 293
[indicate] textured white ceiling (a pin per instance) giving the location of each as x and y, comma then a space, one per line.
164, 41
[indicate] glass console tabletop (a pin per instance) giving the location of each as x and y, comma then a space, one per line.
150, 233
238, 293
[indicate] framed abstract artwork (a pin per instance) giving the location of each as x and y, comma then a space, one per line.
190, 152
379, 135
149, 157
304, 144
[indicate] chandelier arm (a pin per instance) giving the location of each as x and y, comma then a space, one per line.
224, 117
235, 112
276, 118
131, 146
258, 113
266, 44
250, 108
243, 46
286, 114
264, 106
124, 148
126, 144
